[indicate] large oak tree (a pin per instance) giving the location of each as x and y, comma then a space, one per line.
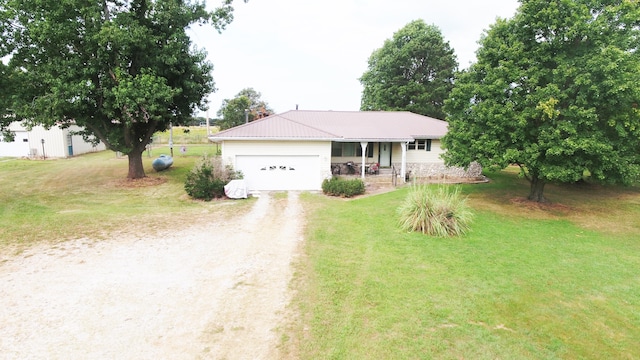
555, 90
412, 71
121, 70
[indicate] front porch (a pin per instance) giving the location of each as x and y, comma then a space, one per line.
374, 161
398, 162
383, 177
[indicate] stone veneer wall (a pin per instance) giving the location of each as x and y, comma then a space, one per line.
439, 170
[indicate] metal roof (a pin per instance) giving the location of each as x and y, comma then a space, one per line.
374, 126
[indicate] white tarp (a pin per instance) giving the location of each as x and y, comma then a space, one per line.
236, 189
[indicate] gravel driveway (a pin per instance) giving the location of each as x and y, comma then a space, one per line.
208, 291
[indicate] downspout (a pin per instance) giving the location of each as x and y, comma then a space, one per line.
363, 145
403, 167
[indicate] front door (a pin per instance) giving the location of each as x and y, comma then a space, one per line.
385, 154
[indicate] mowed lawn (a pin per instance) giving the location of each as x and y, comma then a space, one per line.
89, 197
559, 281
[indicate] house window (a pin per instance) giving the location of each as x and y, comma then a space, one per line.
424, 144
336, 149
349, 149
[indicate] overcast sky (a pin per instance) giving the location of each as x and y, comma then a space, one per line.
312, 52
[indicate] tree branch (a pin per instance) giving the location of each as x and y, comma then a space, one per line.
524, 172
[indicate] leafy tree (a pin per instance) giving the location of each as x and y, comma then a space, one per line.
121, 70
7, 84
413, 71
555, 91
232, 111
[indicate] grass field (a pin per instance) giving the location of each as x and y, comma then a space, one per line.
88, 196
559, 281
185, 135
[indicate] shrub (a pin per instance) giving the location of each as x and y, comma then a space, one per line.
340, 187
207, 179
435, 210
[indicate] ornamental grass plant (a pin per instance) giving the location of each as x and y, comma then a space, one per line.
436, 210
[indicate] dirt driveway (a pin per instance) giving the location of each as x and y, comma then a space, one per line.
207, 291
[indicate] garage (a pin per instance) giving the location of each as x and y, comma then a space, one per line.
280, 172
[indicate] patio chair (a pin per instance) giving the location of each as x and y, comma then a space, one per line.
374, 169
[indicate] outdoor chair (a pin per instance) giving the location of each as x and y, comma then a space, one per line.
374, 169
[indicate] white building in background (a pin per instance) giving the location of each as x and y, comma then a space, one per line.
39, 142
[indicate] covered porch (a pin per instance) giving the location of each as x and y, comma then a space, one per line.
369, 158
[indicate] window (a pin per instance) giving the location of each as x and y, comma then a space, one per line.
336, 149
349, 149
424, 144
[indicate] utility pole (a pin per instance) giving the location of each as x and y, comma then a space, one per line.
171, 138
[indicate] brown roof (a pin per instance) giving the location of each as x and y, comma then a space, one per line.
338, 126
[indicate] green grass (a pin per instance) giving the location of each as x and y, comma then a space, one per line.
89, 196
557, 281
528, 281
185, 135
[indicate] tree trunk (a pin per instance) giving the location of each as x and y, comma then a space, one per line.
537, 188
136, 170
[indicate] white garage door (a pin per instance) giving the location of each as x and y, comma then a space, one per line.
286, 172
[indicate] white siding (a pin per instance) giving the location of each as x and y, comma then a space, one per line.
418, 156
19, 147
55, 142
79, 145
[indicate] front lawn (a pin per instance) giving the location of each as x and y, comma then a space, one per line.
88, 196
559, 281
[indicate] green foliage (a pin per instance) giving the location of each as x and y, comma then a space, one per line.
555, 90
232, 111
207, 179
120, 70
435, 210
6, 83
413, 71
342, 187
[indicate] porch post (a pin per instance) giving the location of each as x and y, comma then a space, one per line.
403, 167
363, 145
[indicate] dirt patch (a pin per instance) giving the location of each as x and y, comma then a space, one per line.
554, 208
210, 289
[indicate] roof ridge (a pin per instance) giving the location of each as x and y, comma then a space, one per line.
308, 126
243, 125
351, 111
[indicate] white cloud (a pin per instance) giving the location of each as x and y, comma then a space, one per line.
312, 53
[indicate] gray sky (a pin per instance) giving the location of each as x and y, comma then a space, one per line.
311, 53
